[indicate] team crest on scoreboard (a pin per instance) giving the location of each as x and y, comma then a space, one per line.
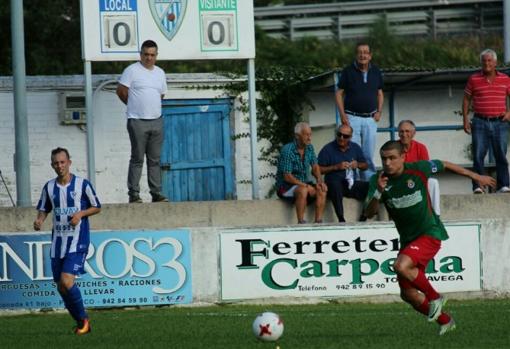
168, 15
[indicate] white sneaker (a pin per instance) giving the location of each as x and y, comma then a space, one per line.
435, 308
478, 191
504, 190
449, 327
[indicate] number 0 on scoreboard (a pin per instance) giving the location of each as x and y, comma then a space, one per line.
218, 26
119, 26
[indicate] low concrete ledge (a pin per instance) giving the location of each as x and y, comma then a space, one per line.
238, 213
480, 206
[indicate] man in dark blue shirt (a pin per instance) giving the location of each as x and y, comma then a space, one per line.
338, 160
359, 99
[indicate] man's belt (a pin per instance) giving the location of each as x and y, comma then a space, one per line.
361, 115
488, 117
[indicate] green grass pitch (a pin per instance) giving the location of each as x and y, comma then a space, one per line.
480, 324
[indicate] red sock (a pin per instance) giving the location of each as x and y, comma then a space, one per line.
424, 309
443, 319
422, 283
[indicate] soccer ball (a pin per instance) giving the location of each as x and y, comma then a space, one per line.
268, 327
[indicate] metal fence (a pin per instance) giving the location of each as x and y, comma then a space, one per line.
351, 20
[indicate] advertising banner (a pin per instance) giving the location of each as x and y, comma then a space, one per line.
337, 261
123, 268
183, 29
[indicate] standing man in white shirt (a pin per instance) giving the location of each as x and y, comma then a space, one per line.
141, 87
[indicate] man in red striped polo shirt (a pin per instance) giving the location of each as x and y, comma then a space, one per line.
487, 91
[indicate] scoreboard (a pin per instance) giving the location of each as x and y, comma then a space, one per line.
183, 29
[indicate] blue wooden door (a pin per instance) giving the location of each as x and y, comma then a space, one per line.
196, 159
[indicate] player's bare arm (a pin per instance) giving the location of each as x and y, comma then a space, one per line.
39, 220
482, 180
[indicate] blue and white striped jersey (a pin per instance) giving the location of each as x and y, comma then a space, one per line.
66, 200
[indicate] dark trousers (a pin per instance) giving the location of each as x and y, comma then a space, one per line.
146, 138
337, 189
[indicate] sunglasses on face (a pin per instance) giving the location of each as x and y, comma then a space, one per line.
342, 135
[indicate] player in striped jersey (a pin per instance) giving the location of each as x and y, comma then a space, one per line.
402, 187
72, 200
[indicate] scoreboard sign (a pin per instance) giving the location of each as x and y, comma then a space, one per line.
183, 29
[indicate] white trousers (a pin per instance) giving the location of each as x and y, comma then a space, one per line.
434, 193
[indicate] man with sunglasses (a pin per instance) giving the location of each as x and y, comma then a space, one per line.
336, 159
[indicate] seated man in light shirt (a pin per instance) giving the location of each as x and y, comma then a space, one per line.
415, 151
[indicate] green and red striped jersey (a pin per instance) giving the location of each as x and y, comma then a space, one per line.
408, 203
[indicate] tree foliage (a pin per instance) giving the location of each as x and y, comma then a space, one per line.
52, 46
52, 37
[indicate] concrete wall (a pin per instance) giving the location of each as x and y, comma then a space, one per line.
242, 213
206, 219
237, 213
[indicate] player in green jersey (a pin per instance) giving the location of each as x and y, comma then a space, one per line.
402, 187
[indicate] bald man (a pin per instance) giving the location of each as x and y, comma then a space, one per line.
416, 151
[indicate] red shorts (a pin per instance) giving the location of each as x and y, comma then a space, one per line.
421, 251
